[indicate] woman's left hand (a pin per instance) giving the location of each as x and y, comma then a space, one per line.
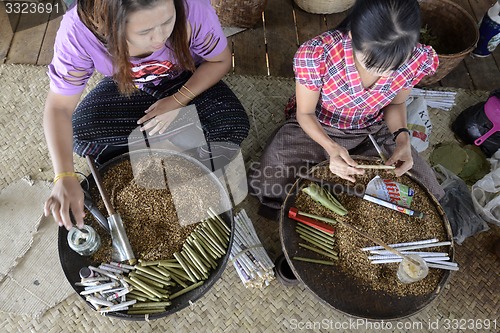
159, 115
401, 157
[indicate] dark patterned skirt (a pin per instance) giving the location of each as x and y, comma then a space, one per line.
292, 151
105, 119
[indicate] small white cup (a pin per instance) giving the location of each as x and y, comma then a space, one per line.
408, 272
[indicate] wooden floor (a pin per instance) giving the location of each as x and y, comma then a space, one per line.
267, 49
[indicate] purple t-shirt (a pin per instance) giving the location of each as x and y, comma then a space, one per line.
76, 49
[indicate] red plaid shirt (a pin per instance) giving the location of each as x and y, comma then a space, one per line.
326, 63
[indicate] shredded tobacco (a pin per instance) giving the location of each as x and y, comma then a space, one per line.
147, 207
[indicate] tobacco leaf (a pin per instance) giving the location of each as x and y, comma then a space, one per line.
476, 167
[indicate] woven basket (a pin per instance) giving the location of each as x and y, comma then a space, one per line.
239, 13
456, 32
324, 6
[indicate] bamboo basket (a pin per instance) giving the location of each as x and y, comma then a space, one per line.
324, 6
239, 13
456, 31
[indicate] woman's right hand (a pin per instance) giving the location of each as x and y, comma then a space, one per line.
66, 194
342, 164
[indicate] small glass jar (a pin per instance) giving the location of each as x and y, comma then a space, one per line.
84, 241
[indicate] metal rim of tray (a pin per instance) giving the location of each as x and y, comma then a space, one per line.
72, 262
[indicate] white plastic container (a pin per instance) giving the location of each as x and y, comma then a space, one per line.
408, 272
489, 32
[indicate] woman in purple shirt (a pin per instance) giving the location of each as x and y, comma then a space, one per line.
157, 56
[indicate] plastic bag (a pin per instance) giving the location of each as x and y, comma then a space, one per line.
473, 122
419, 123
458, 206
486, 193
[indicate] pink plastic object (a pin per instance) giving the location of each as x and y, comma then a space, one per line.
492, 111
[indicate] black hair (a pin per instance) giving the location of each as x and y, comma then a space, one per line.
385, 31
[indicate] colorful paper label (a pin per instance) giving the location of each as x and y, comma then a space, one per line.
389, 190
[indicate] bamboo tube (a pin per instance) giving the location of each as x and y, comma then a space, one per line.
321, 218
195, 257
179, 281
163, 291
146, 280
321, 247
148, 263
194, 263
324, 253
180, 273
154, 278
185, 290
151, 305
137, 298
221, 222
323, 239
197, 239
162, 272
315, 241
209, 238
208, 246
144, 285
216, 232
191, 266
203, 252
326, 247
200, 255
154, 299
216, 239
375, 166
226, 234
165, 263
150, 272
137, 292
179, 258
145, 311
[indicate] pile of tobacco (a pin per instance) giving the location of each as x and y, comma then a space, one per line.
174, 257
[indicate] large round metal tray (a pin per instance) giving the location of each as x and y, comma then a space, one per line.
340, 290
72, 262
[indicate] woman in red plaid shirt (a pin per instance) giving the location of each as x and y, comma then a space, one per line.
351, 82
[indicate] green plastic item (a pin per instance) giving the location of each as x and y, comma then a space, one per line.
476, 167
451, 156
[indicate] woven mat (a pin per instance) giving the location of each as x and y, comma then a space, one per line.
228, 306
